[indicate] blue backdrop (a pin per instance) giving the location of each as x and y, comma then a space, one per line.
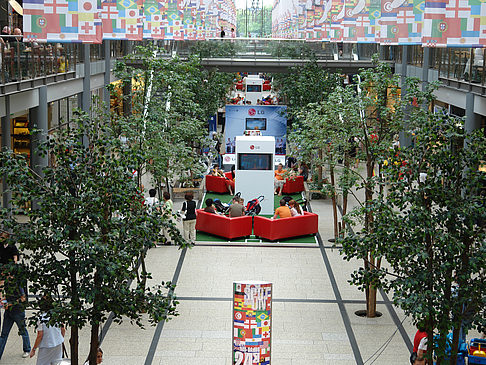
270, 119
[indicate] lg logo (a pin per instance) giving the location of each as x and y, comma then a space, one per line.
253, 147
252, 112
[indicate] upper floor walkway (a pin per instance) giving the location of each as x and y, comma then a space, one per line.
26, 66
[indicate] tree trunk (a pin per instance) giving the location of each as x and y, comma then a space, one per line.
94, 343
345, 199
371, 302
371, 291
74, 340
334, 203
319, 169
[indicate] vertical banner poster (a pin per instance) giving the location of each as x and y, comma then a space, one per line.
252, 322
271, 120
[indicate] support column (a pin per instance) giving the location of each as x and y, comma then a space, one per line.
405, 138
42, 125
86, 96
106, 92
471, 123
425, 68
6, 145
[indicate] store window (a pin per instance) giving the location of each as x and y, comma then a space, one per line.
21, 135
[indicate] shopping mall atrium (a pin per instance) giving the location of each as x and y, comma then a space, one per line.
243, 182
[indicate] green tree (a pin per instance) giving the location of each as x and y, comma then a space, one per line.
171, 107
82, 243
430, 227
377, 120
327, 127
303, 85
253, 19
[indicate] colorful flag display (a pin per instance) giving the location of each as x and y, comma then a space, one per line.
252, 322
435, 23
91, 21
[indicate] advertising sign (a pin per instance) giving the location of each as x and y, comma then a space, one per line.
270, 120
252, 322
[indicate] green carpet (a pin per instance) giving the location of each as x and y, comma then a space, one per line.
225, 198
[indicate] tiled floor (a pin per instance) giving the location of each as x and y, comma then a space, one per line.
313, 321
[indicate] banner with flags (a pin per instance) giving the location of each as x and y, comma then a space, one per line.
91, 21
154, 19
62, 21
121, 19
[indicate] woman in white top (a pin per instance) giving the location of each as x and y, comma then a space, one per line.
49, 338
295, 208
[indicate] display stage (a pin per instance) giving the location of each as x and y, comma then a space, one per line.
225, 198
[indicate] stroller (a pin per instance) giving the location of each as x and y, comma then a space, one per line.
223, 207
301, 202
253, 206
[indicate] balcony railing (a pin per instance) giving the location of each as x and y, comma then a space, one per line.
21, 61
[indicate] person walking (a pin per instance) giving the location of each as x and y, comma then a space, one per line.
168, 209
49, 337
14, 313
189, 221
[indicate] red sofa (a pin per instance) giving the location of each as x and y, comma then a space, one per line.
217, 184
293, 184
220, 225
275, 229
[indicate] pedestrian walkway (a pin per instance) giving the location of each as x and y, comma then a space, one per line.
313, 308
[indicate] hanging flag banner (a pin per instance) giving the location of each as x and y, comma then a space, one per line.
91, 21
62, 21
252, 322
121, 19
154, 19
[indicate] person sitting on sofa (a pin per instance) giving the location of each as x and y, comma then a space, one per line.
294, 208
237, 209
216, 171
210, 208
279, 179
282, 211
230, 183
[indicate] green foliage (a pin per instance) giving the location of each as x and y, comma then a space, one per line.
254, 22
304, 85
430, 226
82, 243
171, 106
292, 50
215, 48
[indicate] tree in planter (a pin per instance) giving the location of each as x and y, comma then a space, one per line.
83, 241
328, 127
376, 115
172, 110
302, 86
431, 228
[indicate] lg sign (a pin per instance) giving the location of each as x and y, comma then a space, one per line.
253, 147
252, 112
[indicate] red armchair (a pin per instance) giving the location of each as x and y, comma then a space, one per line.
220, 225
293, 184
275, 229
217, 184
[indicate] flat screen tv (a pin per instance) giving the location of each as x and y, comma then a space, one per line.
253, 88
256, 124
255, 161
